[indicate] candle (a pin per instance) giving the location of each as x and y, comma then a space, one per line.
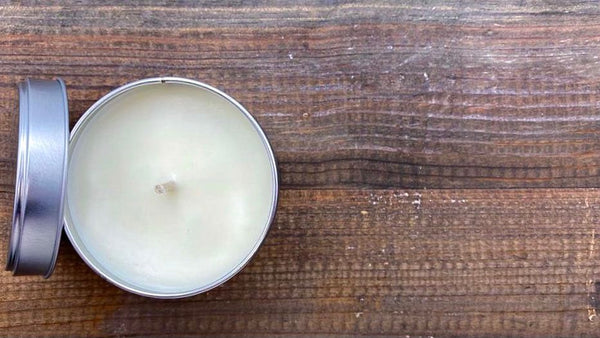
171, 187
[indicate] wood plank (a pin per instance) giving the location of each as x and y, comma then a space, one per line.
394, 262
362, 94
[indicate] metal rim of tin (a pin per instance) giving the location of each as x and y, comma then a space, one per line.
40, 177
69, 227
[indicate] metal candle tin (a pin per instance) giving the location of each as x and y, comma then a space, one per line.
41, 177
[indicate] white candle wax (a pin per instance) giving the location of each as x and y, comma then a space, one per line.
170, 189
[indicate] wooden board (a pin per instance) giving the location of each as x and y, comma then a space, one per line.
396, 126
434, 262
373, 94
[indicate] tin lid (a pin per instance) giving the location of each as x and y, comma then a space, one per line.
40, 179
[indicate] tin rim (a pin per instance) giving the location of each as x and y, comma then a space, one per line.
15, 235
274, 180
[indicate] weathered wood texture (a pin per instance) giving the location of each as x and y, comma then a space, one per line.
361, 100
377, 93
435, 262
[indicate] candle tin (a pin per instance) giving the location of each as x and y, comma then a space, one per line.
42, 173
40, 178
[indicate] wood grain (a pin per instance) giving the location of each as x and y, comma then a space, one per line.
395, 124
392, 262
362, 94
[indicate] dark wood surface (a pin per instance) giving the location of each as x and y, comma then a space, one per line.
398, 126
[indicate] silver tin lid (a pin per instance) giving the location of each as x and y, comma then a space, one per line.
41, 176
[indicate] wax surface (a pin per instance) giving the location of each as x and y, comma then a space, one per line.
191, 235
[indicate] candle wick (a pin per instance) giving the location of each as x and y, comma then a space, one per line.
165, 187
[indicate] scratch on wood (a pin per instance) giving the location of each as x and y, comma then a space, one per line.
593, 299
593, 288
587, 204
408, 59
592, 242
